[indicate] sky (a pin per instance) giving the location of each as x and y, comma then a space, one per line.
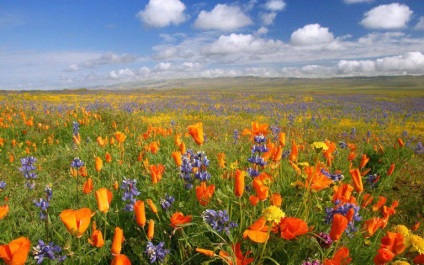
56, 44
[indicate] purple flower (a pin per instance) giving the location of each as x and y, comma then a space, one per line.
49, 251
75, 128
419, 149
343, 209
334, 177
27, 167
218, 220
130, 193
2, 185
312, 262
167, 202
324, 240
77, 163
156, 253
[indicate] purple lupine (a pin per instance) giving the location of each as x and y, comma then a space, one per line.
218, 220
47, 251
156, 253
130, 193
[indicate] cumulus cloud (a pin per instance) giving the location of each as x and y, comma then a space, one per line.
163, 66
420, 24
275, 5
222, 17
392, 16
162, 13
268, 18
122, 73
357, 1
311, 34
262, 31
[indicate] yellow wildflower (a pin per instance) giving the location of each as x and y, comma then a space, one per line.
400, 262
273, 214
319, 146
417, 243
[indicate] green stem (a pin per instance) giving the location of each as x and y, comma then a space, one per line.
264, 247
104, 232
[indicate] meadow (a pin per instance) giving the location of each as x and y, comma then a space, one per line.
212, 177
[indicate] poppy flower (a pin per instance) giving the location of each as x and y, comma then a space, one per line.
328, 154
204, 193
381, 201
16, 252
316, 180
177, 156
254, 200
88, 186
419, 259
341, 257
151, 229
118, 238
262, 191
383, 256
115, 185
205, 252
182, 147
294, 152
239, 183
291, 227
154, 147
241, 259
140, 213
178, 219
102, 142
338, 226
177, 139
108, 158
366, 200
120, 137
357, 179
103, 198
391, 169
364, 161
98, 164
120, 259
156, 172
152, 206
400, 142
343, 193
282, 138
96, 238
76, 221
394, 242
257, 129
196, 131
221, 160
4, 210
276, 199
258, 231
389, 211
351, 156
372, 225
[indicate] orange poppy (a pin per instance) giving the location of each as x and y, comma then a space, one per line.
240, 258
120, 259
16, 252
177, 156
177, 139
367, 200
118, 238
152, 206
383, 256
82, 171
276, 199
196, 131
204, 193
76, 221
258, 231
140, 213
154, 147
261, 190
316, 180
156, 172
120, 137
205, 252
381, 201
98, 164
254, 200
364, 160
393, 242
338, 226
372, 225
108, 158
115, 185
221, 160
341, 257
178, 219
257, 129
419, 259
291, 227
96, 238
4, 210
151, 229
351, 156
343, 193
88, 186
391, 169
328, 154
400, 142
102, 142
294, 152
388, 211
282, 139
239, 183
103, 198
357, 179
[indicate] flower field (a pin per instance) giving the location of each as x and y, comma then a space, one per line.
203, 177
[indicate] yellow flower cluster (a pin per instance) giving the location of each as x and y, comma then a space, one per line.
273, 214
319, 146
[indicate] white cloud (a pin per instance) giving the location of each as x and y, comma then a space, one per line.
122, 73
275, 5
311, 34
357, 1
163, 66
72, 68
222, 17
268, 18
420, 24
262, 31
392, 16
162, 13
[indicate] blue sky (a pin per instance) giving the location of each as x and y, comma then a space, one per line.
53, 44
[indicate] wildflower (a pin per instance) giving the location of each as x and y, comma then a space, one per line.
118, 238
276, 199
221, 160
204, 193
383, 256
341, 257
394, 242
16, 252
364, 161
103, 198
108, 158
28, 170
342, 145
76, 221
43, 205
2, 185
49, 251
201, 162
391, 169
357, 179
96, 238
140, 215
372, 225
419, 259
77, 163
324, 240
417, 243
236, 135
313, 262
152, 206
333, 177
205, 252
348, 210
419, 149
98, 164
372, 180
400, 262
218, 220
156, 253
120, 137
156, 172
4, 210
196, 131
239, 183
258, 231
319, 147
151, 229
273, 214
75, 128
177, 156
167, 202
381, 201
339, 224
88, 186
120, 259
257, 129
178, 219
343, 193
291, 227
130, 192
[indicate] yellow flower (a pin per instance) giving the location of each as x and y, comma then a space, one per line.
417, 243
319, 146
400, 262
401, 229
273, 214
